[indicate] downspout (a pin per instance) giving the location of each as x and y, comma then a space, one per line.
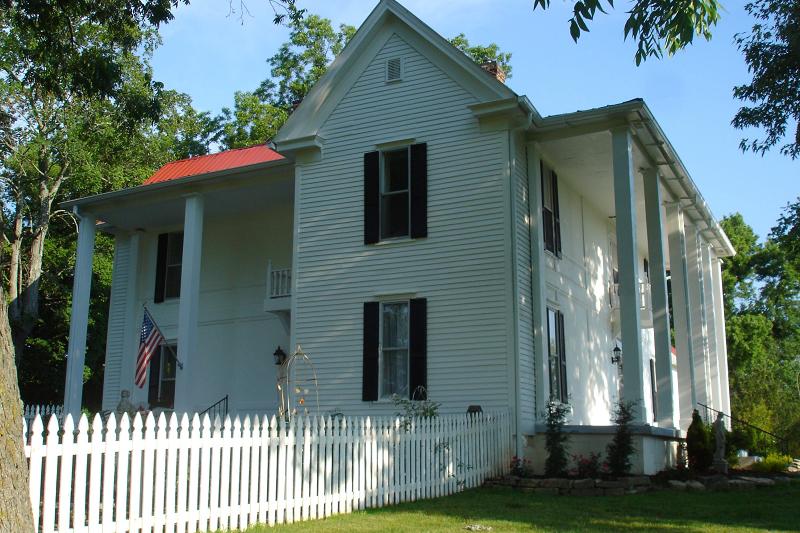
512, 212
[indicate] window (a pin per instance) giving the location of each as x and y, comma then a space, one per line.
556, 355
168, 266
396, 194
395, 188
394, 349
161, 391
550, 212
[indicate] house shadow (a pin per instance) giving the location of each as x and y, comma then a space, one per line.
506, 509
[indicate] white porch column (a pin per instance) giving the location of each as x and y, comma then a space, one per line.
711, 327
538, 282
189, 300
722, 341
134, 314
628, 262
658, 295
697, 309
79, 320
681, 315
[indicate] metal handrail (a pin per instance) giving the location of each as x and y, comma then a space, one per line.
217, 408
781, 441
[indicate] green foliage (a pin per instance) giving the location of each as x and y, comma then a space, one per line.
656, 25
621, 448
556, 439
773, 463
253, 119
482, 54
410, 410
772, 53
699, 445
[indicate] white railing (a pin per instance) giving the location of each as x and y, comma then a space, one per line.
156, 475
29, 412
279, 281
644, 296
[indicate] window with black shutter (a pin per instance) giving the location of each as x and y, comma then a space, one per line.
395, 194
395, 350
550, 211
557, 357
161, 386
168, 266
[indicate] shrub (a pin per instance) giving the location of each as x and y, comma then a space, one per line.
587, 467
774, 463
621, 448
521, 467
699, 446
556, 439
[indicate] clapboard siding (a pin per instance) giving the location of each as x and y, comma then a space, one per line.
522, 236
115, 337
460, 268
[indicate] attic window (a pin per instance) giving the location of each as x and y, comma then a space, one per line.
394, 69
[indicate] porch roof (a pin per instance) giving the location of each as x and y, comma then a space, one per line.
204, 164
651, 141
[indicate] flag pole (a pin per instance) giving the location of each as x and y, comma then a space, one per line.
170, 348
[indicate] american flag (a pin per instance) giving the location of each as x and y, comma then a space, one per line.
149, 341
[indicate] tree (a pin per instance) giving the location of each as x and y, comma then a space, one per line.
772, 53
656, 25
482, 54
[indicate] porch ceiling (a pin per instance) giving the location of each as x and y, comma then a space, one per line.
152, 207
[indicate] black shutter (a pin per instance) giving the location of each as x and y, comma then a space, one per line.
556, 216
161, 267
369, 391
419, 190
418, 349
372, 198
155, 375
562, 356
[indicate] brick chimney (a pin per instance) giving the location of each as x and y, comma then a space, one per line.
494, 69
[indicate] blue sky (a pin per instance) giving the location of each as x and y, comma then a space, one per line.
209, 53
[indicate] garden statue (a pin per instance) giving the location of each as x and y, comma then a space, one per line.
125, 405
720, 463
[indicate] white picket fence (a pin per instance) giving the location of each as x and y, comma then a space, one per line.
29, 412
190, 475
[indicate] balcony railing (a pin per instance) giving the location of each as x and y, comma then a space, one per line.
644, 296
279, 282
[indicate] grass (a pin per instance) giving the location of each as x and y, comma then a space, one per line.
763, 509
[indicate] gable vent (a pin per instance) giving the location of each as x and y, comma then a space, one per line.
394, 69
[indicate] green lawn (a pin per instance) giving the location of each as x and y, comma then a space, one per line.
764, 509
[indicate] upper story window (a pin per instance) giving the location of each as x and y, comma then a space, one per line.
168, 266
557, 357
395, 188
396, 193
550, 211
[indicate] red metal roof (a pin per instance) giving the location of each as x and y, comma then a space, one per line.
203, 164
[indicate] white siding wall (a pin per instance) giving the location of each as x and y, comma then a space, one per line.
461, 268
522, 235
237, 337
116, 322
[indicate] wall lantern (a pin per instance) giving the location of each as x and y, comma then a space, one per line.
616, 355
280, 356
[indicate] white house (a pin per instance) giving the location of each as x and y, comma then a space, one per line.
421, 227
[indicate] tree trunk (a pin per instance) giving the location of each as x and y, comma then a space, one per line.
15, 503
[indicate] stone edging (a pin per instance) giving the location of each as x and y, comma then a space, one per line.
631, 484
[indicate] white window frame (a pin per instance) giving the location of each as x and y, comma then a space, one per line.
381, 184
407, 302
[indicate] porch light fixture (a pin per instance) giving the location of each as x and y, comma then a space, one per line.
280, 356
616, 355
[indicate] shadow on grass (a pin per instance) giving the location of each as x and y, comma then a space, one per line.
773, 509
